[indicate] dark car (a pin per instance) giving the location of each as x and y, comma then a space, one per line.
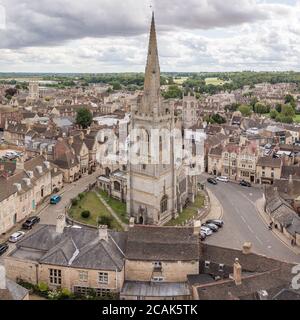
3, 248
30, 222
202, 236
212, 181
245, 183
211, 226
218, 223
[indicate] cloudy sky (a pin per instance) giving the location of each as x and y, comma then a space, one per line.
112, 35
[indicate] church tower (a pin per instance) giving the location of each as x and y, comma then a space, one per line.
151, 185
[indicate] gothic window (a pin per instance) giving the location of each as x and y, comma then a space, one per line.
164, 204
117, 186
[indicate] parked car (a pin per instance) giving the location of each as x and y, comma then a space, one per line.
245, 183
212, 181
55, 199
218, 223
202, 236
211, 226
223, 179
15, 237
206, 231
30, 222
3, 248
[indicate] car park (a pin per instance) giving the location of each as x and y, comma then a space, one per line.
206, 231
212, 181
30, 222
3, 248
15, 237
55, 199
218, 223
211, 226
223, 179
245, 183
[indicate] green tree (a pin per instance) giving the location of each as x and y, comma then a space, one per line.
217, 118
84, 118
278, 107
274, 114
288, 111
261, 108
174, 92
116, 86
289, 99
245, 110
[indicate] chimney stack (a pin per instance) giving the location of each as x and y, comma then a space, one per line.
131, 222
247, 246
2, 278
197, 227
60, 223
103, 233
237, 272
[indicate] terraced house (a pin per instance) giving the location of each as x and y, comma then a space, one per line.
23, 187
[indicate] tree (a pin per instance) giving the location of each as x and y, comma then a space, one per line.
106, 220
245, 110
173, 92
10, 92
217, 118
84, 118
289, 99
261, 108
116, 86
278, 107
274, 114
288, 110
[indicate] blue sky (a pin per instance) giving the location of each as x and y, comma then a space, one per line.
112, 35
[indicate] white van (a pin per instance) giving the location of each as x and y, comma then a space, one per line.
223, 179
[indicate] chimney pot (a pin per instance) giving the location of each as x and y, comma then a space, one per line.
131, 222
197, 227
2, 278
247, 246
103, 232
60, 223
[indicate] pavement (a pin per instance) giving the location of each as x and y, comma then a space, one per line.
243, 222
216, 209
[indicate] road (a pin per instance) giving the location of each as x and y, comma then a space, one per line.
48, 213
244, 224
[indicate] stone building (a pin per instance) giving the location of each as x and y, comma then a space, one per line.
157, 191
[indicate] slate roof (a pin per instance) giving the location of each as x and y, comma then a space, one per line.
269, 162
155, 289
75, 247
162, 243
13, 291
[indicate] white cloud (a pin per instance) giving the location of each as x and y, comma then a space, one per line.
111, 36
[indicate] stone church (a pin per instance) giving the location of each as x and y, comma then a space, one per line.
157, 191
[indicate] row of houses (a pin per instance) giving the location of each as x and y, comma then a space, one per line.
23, 186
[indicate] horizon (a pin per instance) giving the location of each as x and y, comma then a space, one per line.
64, 36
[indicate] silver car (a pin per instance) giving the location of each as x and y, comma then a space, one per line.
15, 237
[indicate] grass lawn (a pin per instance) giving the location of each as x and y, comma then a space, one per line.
118, 206
188, 212
92, 203
215, 81
297, 118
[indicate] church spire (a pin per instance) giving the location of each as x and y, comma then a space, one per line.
152, 74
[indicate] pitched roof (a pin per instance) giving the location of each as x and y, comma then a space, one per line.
162, 243
269, 162
76, 247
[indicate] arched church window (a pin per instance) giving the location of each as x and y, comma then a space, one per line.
117, 186
164, 204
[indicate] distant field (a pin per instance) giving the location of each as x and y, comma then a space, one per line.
181, 80
215, 81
